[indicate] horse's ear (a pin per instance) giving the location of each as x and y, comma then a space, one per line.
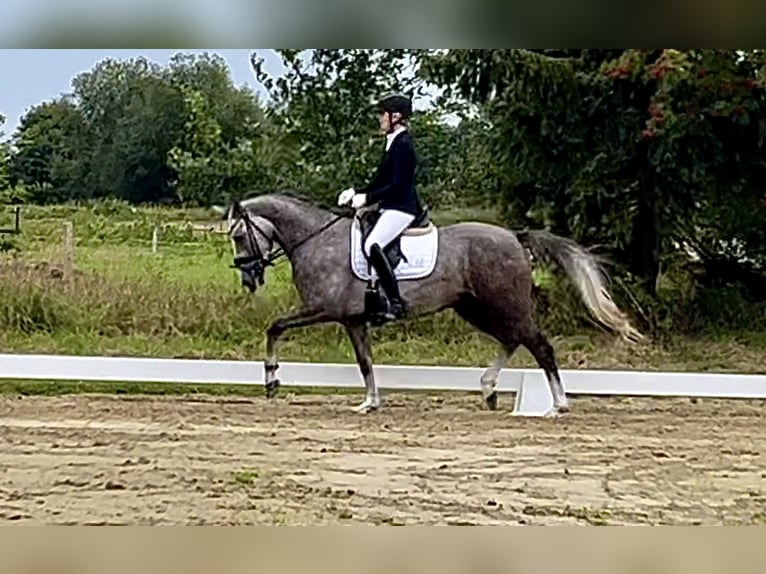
236, 209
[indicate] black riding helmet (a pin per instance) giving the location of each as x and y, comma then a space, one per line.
396, 103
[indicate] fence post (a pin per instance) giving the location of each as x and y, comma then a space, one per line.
155, 240
68, 249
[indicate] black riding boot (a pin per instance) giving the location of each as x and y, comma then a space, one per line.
396, 307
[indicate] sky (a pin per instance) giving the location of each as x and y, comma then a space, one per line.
30, 77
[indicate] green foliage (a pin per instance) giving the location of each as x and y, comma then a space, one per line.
46, 161
654, 155
209, 169
323, 107
135, 131
638, 150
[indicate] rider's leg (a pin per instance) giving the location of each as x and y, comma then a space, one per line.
388, 227
388, 282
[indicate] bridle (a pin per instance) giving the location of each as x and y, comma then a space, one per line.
257, 262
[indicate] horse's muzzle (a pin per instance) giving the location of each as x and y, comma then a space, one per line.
251, 273
248, 280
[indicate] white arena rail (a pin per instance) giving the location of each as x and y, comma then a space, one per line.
530, 386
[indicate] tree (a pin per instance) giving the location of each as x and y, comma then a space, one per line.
236, 110
632, 148
209, 168
325, 130
46, 160
220, 153
135, 131
132, 117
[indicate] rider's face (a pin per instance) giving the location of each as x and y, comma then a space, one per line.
384, 119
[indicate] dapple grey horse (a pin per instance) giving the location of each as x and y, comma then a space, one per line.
483, 272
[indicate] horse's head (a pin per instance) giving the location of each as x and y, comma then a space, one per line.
252, 239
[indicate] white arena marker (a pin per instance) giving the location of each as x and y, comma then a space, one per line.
533, 398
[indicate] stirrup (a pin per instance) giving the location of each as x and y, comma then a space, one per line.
379, 309
391, 312
397, 309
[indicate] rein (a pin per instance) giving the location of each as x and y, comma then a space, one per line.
280, 252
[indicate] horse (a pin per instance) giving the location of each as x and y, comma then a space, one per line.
481, 271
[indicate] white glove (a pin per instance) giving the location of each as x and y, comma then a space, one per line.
345, 196
359, 200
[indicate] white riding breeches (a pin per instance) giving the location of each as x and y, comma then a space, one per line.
390, 224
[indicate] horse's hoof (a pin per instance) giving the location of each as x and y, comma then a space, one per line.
491, 401
556, 412
271, 388
367, 406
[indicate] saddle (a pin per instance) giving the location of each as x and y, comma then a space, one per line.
421, 225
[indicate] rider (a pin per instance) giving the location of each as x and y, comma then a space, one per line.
393, 188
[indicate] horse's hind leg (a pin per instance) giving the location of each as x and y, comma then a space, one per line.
490, 376
360, 340
490, 323
537, 344
510, 328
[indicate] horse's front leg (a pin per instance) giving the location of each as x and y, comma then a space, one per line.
302, 318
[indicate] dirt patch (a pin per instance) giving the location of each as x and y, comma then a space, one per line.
425, 460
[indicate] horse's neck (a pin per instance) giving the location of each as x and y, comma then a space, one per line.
294, 223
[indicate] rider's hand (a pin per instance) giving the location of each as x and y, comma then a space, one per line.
345, 196
359, 200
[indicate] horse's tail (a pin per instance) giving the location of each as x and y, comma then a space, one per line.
585, 271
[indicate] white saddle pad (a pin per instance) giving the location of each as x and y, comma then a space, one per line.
420, 251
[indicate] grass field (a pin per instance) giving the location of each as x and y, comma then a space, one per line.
185, 301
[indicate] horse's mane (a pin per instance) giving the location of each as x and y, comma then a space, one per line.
294, 196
